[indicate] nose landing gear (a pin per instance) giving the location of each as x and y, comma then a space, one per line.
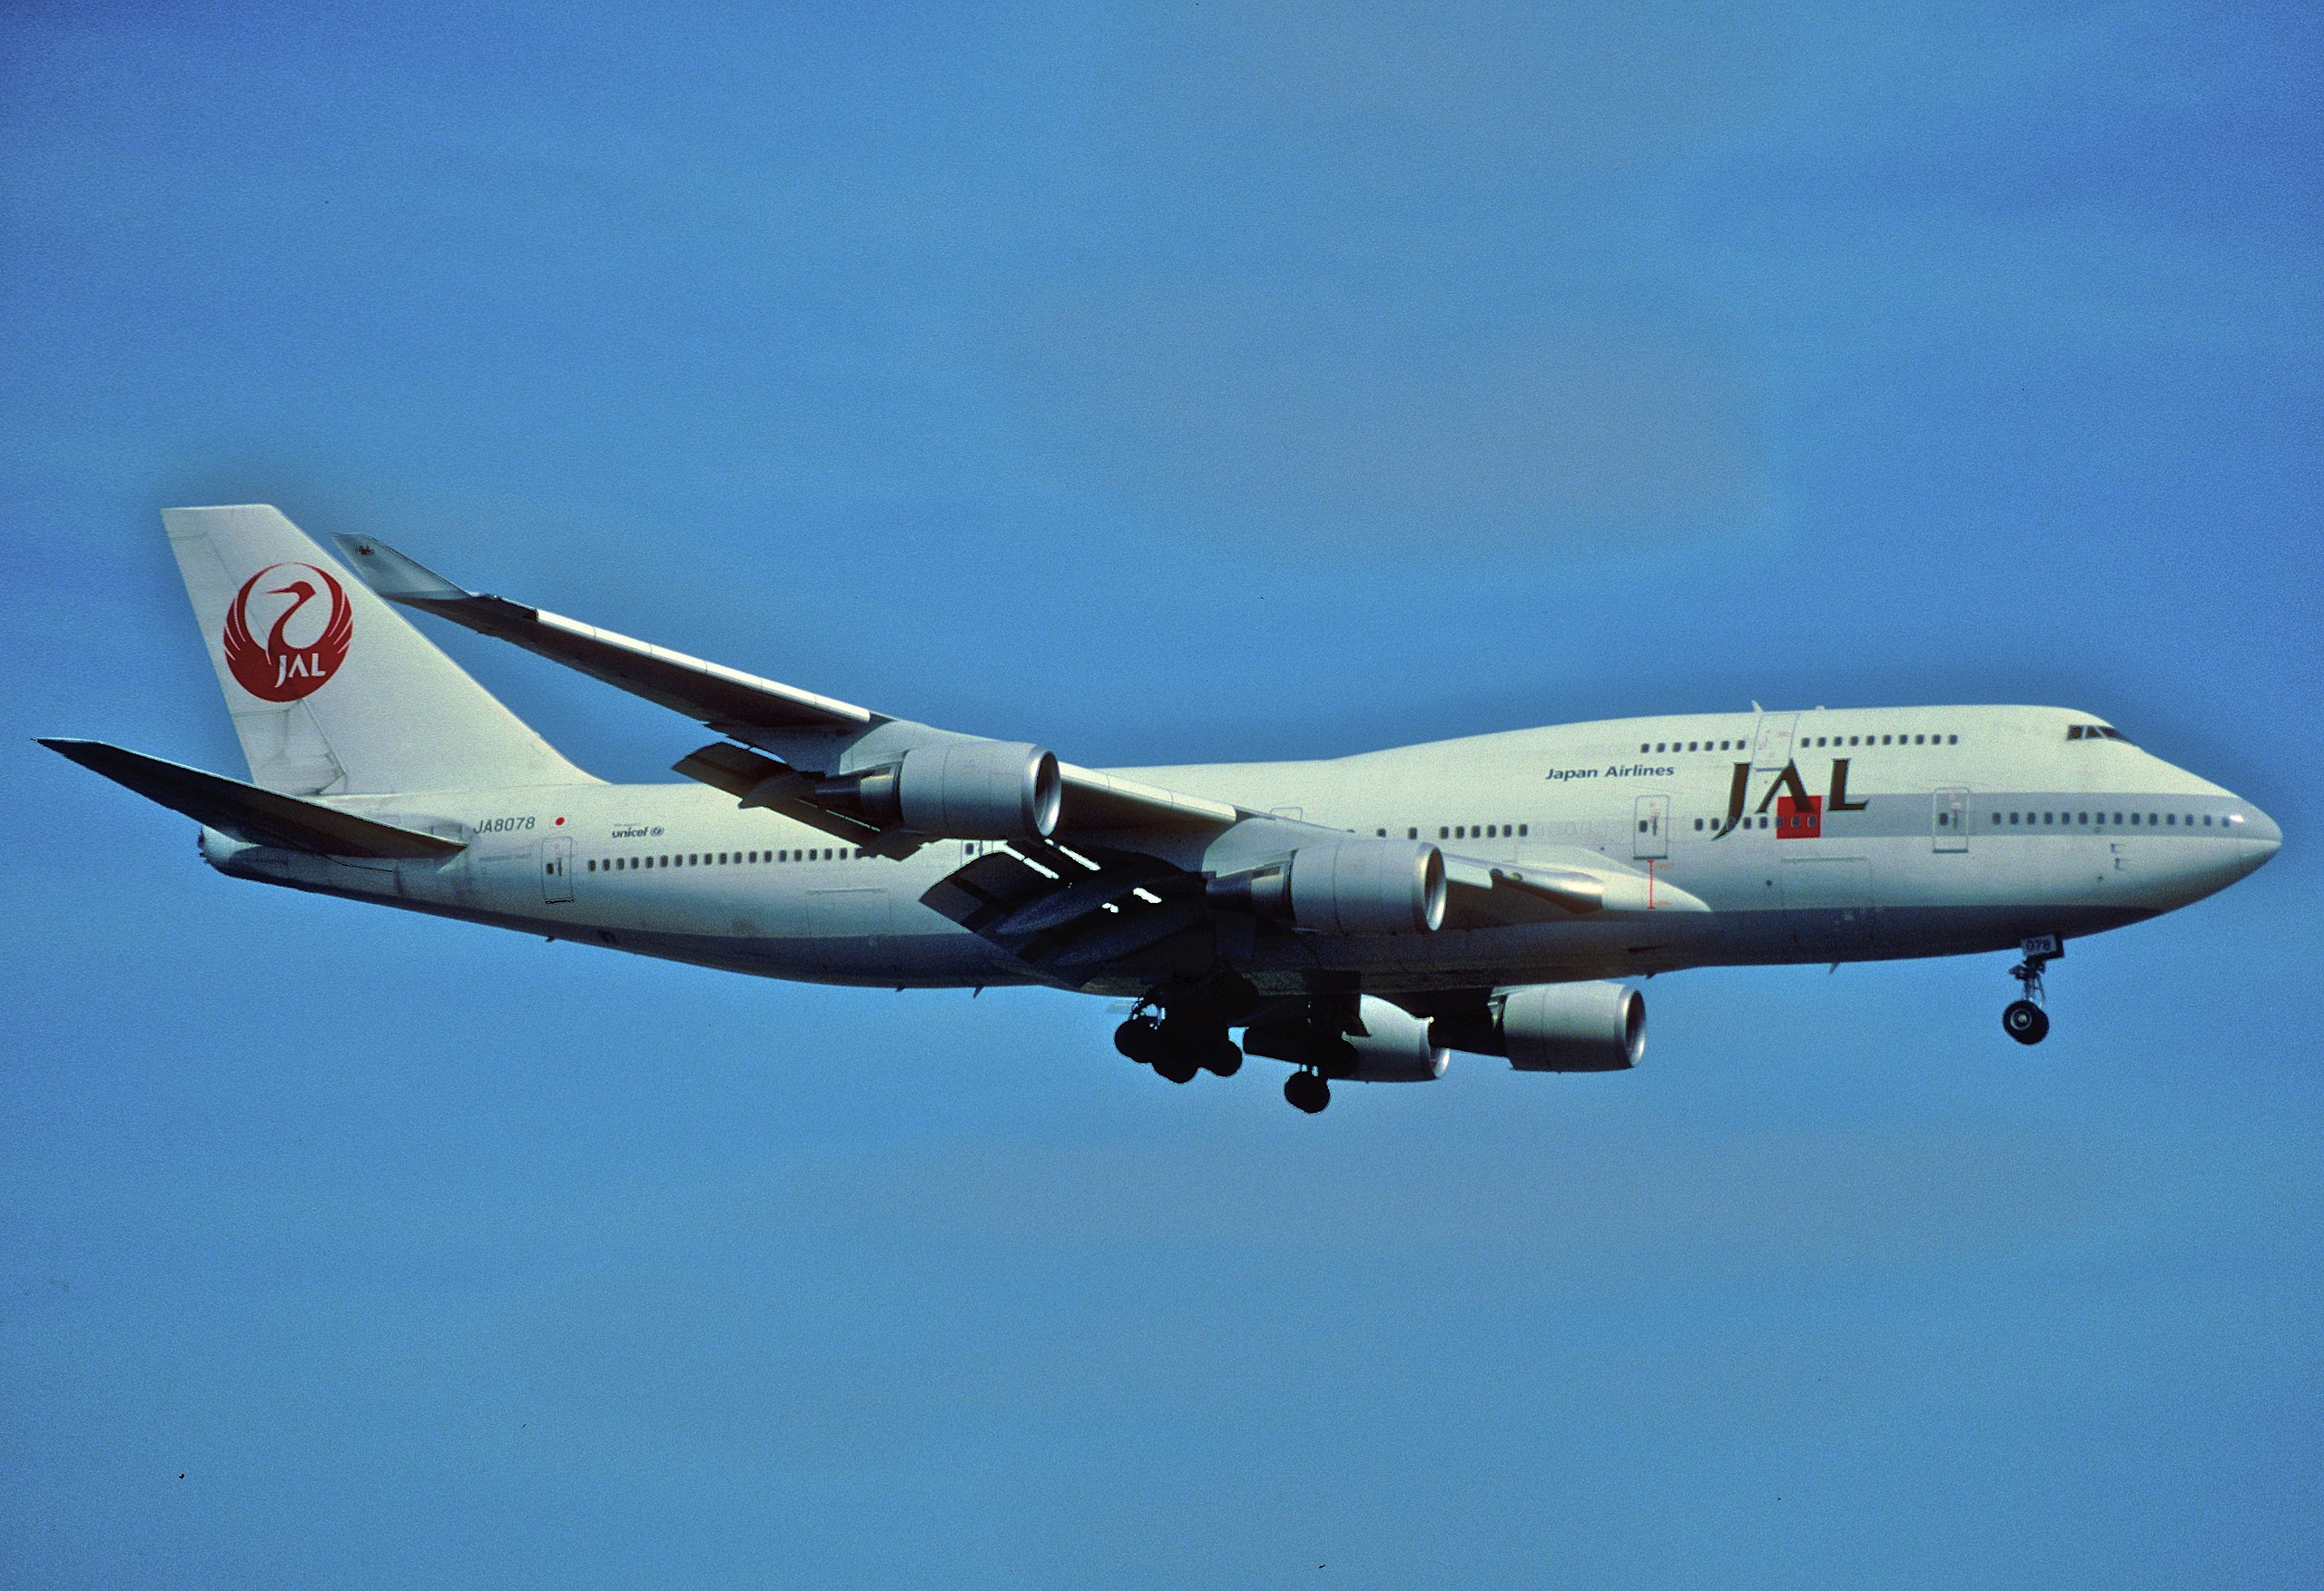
2024, 1019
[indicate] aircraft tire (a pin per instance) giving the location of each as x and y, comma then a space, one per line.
1225, 1060
1177, 1068
2025, 1022
1306, 1091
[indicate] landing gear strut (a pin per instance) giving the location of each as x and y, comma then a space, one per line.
2024, 1019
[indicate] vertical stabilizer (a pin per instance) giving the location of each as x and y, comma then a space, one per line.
332, 693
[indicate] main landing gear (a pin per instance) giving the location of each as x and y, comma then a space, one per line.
2024, 1019
1177, 1045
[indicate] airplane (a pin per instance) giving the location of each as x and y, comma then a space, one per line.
1358, 917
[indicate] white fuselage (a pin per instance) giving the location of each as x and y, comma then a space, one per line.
1951, 830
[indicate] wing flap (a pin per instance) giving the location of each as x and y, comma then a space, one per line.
261, 817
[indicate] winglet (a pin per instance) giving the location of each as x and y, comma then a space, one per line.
394, 576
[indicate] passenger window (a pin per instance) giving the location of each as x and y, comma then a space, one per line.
2013, 820
2172, 818
1953, 740
1660, 746
1522, 829
1698, 825
1442, 832
1996, 819
1644, 747
1412, 834
1920, 740
2150, 819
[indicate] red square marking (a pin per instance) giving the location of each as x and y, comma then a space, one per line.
1793, 822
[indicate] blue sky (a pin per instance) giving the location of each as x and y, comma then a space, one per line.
1163, 383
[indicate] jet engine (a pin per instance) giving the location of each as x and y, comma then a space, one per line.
1395, 1047
1351, 886
963, 789
1556, 1027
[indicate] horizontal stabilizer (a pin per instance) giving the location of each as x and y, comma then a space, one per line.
260, 817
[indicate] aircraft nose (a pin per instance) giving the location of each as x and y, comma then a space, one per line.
2260, 840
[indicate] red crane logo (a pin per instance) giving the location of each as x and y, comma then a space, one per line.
285, 669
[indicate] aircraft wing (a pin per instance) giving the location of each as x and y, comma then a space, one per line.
809, 735
260, 817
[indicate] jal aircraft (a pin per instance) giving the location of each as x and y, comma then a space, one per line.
1358, 917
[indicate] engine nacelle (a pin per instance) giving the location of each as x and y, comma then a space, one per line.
1395, 1047
1351, 886
1571, 1027
966, 790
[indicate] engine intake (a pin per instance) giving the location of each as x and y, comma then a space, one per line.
1353, 886
967, 790
1556, 1027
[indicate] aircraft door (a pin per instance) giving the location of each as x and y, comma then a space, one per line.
1772, 750
1650, 837
556, 868
1948, 819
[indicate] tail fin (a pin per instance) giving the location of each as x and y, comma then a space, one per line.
333, 691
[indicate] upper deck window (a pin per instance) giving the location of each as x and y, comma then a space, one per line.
2095, 731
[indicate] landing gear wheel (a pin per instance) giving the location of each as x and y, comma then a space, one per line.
1177, 1068
1141, 1041
1224, 1059
2024, 1019
1307, 1092
2025, 1022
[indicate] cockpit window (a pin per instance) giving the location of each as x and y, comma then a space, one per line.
2095, 731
